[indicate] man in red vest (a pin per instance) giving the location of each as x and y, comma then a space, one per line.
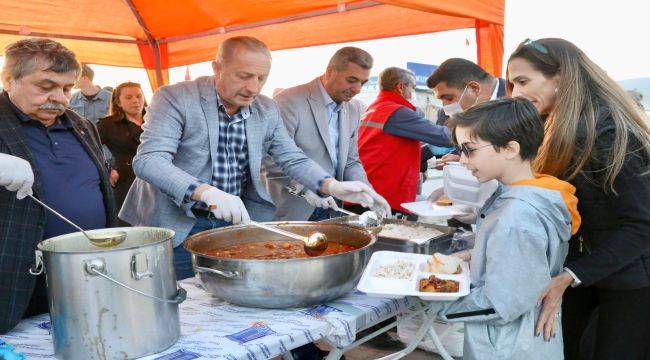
389, 138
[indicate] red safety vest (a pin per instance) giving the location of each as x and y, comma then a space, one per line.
392, 163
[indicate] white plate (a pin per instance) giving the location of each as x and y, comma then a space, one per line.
398, 288
431, 210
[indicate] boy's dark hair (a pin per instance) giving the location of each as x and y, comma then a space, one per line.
501, 121
456, 73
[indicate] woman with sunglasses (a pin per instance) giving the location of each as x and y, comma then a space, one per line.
599, 141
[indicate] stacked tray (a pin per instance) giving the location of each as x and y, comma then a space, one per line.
424, 245
392, 287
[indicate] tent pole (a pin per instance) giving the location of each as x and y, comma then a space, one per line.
151, 40
156, 59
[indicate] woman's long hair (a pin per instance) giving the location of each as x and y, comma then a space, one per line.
583, 87
115, 108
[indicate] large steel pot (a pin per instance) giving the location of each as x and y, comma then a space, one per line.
282, 283
111, 303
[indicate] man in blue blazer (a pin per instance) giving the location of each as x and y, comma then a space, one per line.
198, 164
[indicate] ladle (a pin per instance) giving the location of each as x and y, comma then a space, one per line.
103, 240
313, 245
367, 219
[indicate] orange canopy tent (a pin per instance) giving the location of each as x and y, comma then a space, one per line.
159, 34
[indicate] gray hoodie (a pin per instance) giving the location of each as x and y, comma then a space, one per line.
521, 242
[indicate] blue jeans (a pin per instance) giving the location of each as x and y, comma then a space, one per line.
182, 257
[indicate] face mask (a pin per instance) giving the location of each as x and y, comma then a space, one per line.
454, 108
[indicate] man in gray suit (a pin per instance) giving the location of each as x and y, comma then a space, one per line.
324, 123
201, 152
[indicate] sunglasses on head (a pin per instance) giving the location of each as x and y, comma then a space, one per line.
535, 45
467, 151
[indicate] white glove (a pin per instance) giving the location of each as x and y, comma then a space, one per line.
320, 202
225, 206
432, 163
381, 207
352, 191
16, 175
360, 193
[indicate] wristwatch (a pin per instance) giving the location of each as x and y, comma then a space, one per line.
576, 282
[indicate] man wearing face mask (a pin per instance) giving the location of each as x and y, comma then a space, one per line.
461, 84
50, 152
390, 135
323, 120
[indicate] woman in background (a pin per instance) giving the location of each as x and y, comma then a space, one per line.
120, 132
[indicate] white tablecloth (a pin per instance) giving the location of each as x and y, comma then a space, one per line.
212, 328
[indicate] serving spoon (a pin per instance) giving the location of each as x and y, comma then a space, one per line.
314, 244
105, 240
367, 219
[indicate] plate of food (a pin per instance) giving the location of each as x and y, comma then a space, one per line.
441, 209
391, 274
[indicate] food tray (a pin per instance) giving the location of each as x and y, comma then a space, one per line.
439, 243
398, 288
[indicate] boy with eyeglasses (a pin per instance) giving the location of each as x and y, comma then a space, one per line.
522, 233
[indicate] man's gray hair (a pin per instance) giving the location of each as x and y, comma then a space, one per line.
350, 54
390, 77
227, 47
23, 57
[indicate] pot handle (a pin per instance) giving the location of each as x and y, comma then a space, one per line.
37, 268
96, 269
229, 274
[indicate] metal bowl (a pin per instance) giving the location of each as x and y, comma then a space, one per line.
282, 283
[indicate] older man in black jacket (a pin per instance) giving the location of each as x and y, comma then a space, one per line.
38, 133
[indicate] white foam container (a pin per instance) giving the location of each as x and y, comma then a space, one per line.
398, 288
463, 188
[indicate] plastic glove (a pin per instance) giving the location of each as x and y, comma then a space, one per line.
320, 202
381, 206
352, 191
16, 175
225, 206
432, 163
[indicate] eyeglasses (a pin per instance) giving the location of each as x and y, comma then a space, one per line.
467, 151
537, 46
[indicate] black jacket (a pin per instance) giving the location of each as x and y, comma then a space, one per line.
122, 138
615, 229
22, 221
